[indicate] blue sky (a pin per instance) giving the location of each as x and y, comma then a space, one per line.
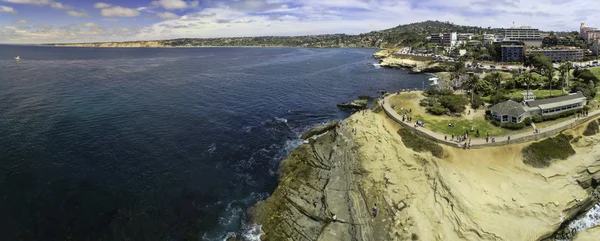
46, 21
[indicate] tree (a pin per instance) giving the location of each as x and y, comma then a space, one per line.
544, 67
457, 71
587, 76
475, 85
564, 69
495, 79
528, 80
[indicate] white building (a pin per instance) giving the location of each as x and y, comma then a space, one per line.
511, 111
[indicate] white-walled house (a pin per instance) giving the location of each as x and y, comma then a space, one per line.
511, 111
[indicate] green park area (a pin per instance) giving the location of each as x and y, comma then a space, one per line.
460, 103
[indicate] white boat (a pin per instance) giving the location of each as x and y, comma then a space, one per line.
433, 81
17, 58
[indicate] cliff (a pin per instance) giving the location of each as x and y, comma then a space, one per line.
480, 194
416, 64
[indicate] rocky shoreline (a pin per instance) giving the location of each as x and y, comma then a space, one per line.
388, 59
328, 186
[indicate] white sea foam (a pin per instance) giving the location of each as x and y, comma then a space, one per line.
282, 120
212, 148
590, 220
377, 66
253, 233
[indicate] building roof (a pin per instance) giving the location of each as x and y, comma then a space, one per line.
509, 107
558, 101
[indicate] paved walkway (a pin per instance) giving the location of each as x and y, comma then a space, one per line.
480, 142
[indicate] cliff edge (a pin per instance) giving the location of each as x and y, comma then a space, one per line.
480, 194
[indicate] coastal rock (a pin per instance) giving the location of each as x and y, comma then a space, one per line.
318, 180
414, 65
354, 105
588, 235
320, 129
456, 197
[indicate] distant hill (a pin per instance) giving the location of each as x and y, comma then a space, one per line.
413, 34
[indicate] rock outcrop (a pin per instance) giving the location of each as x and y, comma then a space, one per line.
478, 194
389, 60
320, 129
319, 196
354, 105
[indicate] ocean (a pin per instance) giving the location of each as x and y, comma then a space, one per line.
161, 144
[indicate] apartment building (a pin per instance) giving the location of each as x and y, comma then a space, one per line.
530, 36
444, 39
513, 53
559, 54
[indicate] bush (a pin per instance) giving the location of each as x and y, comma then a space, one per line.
538, 118
588, 90
587, 76
527, 121
517, 99
498, 98
477, 102
454, 103
420, 144
543, 153
559, 115
437, 110
513, 126
592, 129
428, 102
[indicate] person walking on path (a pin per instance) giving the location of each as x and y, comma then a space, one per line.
508, 142
445, 138
375, 210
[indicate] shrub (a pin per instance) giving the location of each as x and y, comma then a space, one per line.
454, 103
427, 102
437, 110
446, 92
517, 99
497, 98
543, 153
587, 76
527, 121
420, 144
588, 90
477, 102
513, 126
591, 129
537, 118
559, 115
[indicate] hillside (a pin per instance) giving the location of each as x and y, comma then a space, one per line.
413, 34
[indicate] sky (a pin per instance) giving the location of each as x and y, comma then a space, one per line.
69, 21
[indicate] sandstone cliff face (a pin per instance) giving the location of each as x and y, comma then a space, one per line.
483, 194
388, 60
319, 180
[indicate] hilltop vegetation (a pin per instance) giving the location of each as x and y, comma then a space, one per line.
413, 34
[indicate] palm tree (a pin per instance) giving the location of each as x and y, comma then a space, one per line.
527, 79
564, 69
475, 85
548, 72
496, 80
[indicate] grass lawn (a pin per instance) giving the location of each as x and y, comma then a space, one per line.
439, 124
595, 71
538, 93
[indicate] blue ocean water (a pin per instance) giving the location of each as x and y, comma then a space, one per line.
160, 144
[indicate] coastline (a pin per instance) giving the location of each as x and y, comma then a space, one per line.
466, 195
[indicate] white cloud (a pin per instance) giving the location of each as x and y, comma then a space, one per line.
102, 5
21, 21
167, 15
43, 26
118, 11
300, 17
175, 4
88, 25
51, 3
77, 14
7, 9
